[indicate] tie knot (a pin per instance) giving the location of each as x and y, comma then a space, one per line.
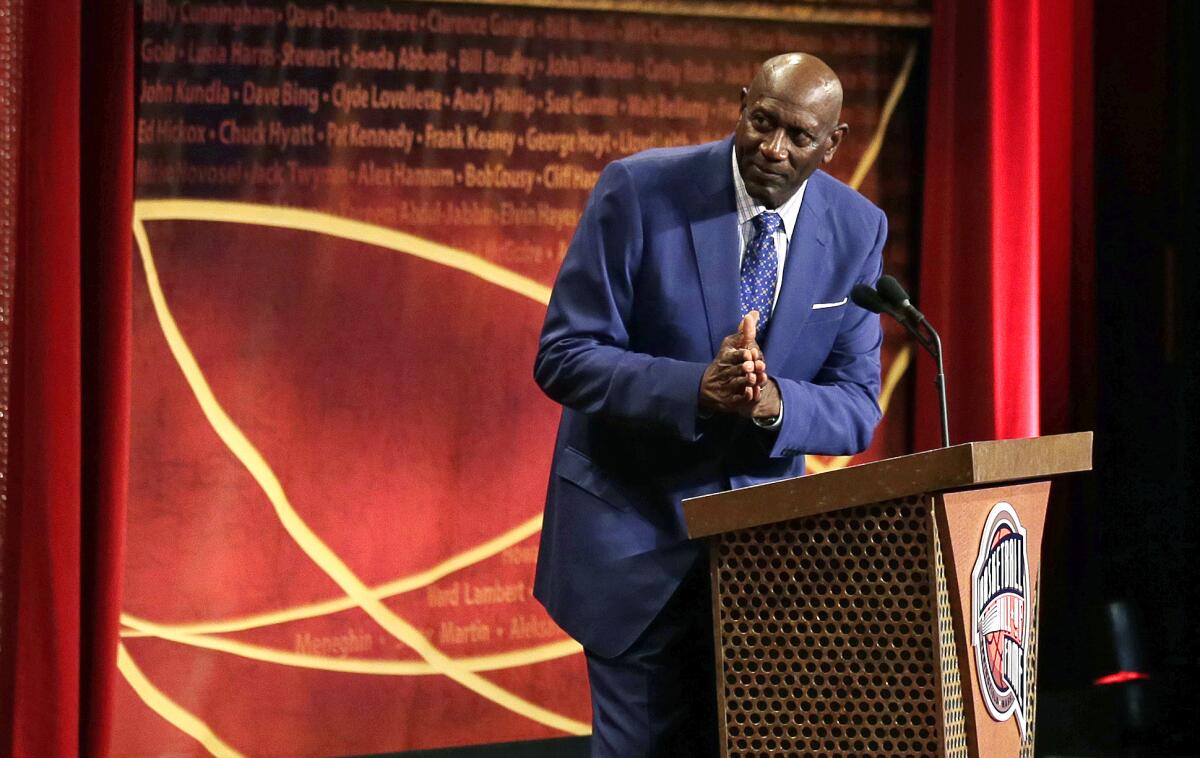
767, 222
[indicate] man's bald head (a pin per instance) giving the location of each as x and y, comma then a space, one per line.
789, 125
805, 78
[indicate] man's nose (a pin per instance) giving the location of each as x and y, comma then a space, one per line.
775, 146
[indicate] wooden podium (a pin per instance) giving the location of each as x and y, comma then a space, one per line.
853, 609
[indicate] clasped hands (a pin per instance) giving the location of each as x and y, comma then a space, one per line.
736, 381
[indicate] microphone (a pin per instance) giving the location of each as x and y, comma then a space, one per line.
865, 296
891, 298
891, 291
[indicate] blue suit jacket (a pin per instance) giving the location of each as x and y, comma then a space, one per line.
646, 293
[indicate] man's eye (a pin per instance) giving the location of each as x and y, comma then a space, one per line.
759, 121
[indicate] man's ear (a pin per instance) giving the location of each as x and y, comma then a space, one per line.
835, 139
745, 91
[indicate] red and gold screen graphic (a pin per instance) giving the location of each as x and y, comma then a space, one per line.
349, 217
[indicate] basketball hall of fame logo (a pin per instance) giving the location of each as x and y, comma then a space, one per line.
999, 615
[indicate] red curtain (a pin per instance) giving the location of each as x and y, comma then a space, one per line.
106, 210
1006, 261
69, 374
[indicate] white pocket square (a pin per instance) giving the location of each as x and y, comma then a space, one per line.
819, 306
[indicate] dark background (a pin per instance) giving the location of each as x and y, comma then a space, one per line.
1127, 532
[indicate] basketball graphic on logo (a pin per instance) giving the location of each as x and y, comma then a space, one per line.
999, 618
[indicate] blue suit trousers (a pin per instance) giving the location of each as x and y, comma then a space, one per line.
658, 699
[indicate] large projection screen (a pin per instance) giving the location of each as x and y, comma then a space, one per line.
348, 220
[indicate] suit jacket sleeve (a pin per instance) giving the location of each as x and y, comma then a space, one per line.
835, 413
584, 358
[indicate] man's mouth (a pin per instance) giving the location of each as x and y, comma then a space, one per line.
767, 174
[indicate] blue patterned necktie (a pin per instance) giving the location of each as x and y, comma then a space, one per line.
760, 265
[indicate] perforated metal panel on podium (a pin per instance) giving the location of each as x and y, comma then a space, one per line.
884, 609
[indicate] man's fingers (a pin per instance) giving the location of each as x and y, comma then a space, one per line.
749, 327
731, 373
731, 342
735, 356
735, 379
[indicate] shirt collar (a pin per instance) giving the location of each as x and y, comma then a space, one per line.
748, 207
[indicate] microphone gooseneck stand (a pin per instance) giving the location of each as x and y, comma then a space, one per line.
891, 298
940, 380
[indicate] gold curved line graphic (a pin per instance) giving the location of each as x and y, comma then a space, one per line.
375, 666
894, 374
305, 220
867, 161
303, 535
302, 219
173, 713
399, 586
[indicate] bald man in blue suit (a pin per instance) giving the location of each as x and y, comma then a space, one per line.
699, 338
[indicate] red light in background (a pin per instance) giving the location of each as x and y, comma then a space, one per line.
1121, 676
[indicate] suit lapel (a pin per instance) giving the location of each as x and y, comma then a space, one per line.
808, 263
712, 214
